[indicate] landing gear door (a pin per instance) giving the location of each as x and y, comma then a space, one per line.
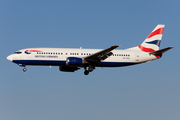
137, 56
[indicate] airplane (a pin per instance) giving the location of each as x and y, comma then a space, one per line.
70, 60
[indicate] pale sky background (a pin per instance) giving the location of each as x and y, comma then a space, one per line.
148, 91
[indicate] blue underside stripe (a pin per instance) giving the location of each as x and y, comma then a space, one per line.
61, 63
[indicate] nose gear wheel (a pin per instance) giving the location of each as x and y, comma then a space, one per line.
24, 69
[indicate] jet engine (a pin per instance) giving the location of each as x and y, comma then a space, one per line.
68, 69
74, 61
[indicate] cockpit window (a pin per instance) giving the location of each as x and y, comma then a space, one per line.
18, 52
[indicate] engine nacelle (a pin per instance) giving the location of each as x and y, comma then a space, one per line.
68, 69
74, 61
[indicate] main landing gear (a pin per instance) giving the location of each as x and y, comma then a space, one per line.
90, 69
86, 72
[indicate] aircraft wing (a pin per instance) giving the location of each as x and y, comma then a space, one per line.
101, 55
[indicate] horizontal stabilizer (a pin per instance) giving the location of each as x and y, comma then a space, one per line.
160, 51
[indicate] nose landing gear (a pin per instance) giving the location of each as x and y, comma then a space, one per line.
23, 65
24, 69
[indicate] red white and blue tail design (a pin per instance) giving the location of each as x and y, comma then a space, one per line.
152, 42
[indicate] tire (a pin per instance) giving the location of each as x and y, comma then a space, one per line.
86, 72
24, 69
90, 69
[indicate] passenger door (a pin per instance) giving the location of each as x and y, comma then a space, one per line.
137, 56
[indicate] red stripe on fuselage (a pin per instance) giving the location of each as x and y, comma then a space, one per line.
146, 49
33, 51
156, 32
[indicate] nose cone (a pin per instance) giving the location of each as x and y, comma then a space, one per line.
10, 58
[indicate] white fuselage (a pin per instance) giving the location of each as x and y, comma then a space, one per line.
58, 56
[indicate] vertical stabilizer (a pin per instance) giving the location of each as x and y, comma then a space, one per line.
152, 42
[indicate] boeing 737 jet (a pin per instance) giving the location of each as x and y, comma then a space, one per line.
70, 60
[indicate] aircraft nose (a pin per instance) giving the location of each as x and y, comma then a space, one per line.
10, 58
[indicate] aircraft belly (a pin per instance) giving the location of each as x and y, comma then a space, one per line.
41, 62
116, 64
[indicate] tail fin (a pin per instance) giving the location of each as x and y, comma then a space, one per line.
152, 42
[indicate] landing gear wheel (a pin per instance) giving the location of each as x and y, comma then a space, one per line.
24, 69
90, 69
86, 72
